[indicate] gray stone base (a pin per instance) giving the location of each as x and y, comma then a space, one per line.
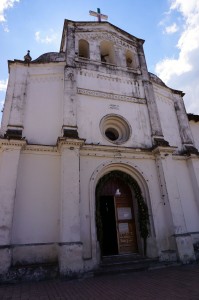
70, 259
34, 272
5, 260
168, 255
185, 248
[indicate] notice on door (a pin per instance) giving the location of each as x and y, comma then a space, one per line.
124, 213
123, 228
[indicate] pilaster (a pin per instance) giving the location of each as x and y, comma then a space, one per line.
70, 44
94, 52
70, 109
16, 118
183, 239
10, 155
150, 97
184, 127
70, 246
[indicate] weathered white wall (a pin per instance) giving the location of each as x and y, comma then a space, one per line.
37, 201
92, 109
189, 202
195, 132
168, 117
44, 105
107, 81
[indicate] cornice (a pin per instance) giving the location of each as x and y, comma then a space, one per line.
115, 152
41, 148
70, 143
164, 150
192, 117
12, 144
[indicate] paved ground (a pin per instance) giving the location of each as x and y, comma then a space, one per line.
169, 283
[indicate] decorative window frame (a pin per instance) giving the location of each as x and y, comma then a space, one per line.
118, 126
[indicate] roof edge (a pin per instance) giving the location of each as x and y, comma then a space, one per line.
192, 117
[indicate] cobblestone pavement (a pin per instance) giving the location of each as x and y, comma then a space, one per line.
180, 282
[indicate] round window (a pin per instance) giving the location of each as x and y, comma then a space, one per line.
115, 129
112, 134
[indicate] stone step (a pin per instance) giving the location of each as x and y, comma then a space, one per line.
130, 263
125, 259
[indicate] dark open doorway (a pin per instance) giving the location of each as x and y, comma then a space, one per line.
107, 212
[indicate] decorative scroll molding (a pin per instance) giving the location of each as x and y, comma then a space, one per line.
110, 96
99, 36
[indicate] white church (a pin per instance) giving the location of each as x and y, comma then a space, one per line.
98, 157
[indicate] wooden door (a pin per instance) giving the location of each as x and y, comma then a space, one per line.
122, 239
125, 223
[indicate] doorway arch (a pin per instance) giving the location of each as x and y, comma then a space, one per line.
120, 207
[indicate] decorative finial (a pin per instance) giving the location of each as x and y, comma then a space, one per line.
27, 57
98, 15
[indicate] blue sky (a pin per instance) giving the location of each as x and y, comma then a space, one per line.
170, 29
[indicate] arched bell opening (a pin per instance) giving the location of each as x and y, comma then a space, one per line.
84, 49
122, 217
107, 52
129, 59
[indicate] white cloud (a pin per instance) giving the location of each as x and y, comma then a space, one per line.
3, 85
49, 38
4, 5
171, 29
183, 72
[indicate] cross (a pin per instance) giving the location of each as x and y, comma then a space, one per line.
98, 15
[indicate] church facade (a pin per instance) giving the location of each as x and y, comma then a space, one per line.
98, 157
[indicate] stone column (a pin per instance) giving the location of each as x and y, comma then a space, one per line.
94, 51
166, 167
9, 161
120, 59
70, 246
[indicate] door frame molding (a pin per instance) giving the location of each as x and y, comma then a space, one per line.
102, 169
142, 210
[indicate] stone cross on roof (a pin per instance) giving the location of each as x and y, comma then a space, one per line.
98, 15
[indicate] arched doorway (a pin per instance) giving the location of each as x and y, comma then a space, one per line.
115, 215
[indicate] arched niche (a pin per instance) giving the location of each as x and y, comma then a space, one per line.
129, 59
107, 52
84, 49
